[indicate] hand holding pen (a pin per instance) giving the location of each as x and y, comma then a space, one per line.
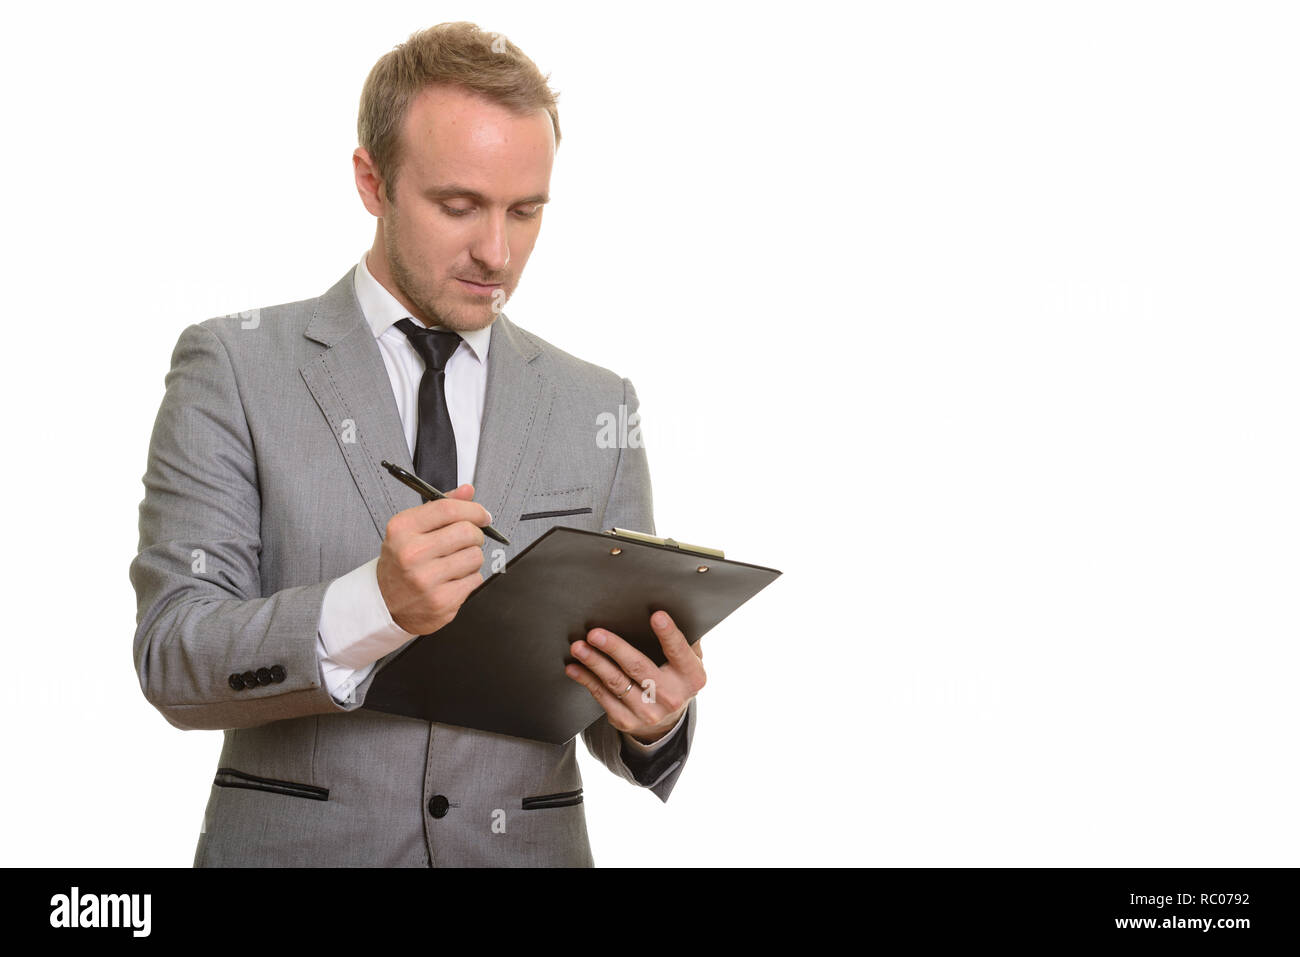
432, 494
432, 556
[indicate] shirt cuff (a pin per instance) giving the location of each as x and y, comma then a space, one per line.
340, 681
356, 629
647, 749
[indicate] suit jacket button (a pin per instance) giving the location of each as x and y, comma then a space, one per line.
438, 805
277, 673
237, 682
263, 676
250, 678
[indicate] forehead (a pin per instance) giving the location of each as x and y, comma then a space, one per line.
452, 135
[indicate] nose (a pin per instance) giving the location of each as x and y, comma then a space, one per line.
491, 247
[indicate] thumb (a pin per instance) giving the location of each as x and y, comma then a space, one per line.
466, 493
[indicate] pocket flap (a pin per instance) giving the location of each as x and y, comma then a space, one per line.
561, 799
558, 503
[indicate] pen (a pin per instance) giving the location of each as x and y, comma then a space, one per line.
430, 493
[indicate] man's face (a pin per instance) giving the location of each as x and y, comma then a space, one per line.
468, 206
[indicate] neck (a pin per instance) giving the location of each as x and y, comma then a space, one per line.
377, 263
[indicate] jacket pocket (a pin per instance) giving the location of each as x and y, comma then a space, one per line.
560, 503
561, 799
230, 778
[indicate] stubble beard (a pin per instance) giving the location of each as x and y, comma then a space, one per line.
409, 283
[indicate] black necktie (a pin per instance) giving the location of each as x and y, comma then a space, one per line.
435, 442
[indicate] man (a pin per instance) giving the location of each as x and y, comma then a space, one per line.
280, 567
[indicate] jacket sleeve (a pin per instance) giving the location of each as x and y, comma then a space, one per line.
211, 651
631, 506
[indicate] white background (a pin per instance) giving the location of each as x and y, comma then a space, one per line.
977, 320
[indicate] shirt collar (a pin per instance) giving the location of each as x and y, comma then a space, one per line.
381, 309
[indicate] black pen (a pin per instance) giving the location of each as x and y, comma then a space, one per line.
430, 493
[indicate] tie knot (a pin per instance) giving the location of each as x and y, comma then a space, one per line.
435, 346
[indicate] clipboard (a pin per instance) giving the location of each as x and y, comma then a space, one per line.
499, 664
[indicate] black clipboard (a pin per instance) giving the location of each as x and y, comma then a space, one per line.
499, 664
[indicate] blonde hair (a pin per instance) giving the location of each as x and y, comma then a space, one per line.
452, 54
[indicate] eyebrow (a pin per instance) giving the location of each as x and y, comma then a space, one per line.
454, 191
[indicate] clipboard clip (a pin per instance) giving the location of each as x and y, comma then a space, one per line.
643, 537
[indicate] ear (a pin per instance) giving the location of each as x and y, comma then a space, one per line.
369, 186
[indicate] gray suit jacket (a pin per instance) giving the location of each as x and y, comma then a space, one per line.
263, 485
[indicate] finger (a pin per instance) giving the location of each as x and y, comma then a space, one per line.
674, 643
448, 510
442, 543
452, 538
620, 716
421, 519
465, 493
461, 564
624, 686
452, 593
636, 665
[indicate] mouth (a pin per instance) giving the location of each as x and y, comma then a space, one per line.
479, 288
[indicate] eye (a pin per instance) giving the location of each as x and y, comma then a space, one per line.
454, 211
528, 212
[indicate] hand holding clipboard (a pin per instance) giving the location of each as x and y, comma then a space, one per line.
499, 665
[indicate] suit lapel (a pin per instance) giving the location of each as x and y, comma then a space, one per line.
515, 412
350, 384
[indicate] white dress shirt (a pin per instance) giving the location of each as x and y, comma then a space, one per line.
356, 629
